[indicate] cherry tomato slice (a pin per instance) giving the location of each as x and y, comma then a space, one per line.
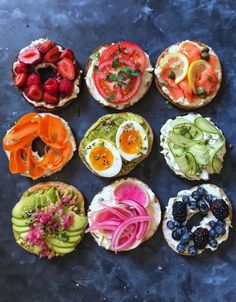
121, 88
128, 50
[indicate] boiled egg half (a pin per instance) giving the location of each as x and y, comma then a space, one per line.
131, 140
103, 158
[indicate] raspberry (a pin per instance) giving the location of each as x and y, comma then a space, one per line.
66, 86
33, 79
179, 211
46, 46
51, 86
219, 209
200, 237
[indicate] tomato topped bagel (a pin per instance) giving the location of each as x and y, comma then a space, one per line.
188, 74
53, 131
118, 74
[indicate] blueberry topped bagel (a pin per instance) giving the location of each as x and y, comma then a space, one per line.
123, 215
216, 210
188, 74
115, 144
47, 75
193, 146
119, 74
49, 220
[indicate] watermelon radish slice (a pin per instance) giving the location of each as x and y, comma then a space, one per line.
131, 191
30, 56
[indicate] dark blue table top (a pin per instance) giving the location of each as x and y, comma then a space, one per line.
152, 272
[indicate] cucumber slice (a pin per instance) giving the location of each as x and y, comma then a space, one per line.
176, 150
189, 131
201, 154
180, 140
187, 164
217, 165
205, 125
178, 121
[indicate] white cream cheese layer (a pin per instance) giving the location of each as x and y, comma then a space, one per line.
146, 78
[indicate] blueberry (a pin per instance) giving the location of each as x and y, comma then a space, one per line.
201, 191
186, 199
213, 242
193, 205
212, 233
190, 234
177, 224
170, 225
212, 223
196, 195
192, 250
176, 235
185, 238
181, 248
220, 223
183, 230
220, 230
209, 198
203, 207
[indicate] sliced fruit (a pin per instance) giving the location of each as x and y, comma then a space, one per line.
52, 86
62, 250
75, 239
67, 53
66, 86
178, 63
53, 55
21, 67
20, 79
34, 92
33, 79
30, 56
19, 229
21, 222
66, 69
49, 98
46, 46
59, 243
189, 131
187, 164
195, 70
206, 125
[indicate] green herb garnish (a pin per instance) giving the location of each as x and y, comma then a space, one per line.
121, 83
115, 63
95, 68
110, 98
136, 72
127, 71
119, 47
64, 237
102, 144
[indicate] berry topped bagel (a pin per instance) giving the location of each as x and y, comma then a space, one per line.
119, 74
123, 215
49, 220
193, 146
216, 210
116, 144
188, 74
47, 75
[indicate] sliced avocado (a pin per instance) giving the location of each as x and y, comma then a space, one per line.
79, 223
59, 243
75, 233
26, 204
21, 222
74, 239
19, 229
62, 250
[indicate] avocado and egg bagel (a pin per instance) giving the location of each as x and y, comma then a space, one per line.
116, 144
49, 220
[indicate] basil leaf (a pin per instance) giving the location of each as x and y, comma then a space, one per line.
121, 83
115, 63
136, 72
95, 68
127, 71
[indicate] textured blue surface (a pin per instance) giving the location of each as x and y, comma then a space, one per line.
153, 272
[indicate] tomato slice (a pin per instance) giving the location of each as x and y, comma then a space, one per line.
117, 85
127, 50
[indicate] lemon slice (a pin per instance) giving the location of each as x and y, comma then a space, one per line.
194, 71
178, 64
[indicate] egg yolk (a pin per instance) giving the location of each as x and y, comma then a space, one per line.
101, 158
131, 141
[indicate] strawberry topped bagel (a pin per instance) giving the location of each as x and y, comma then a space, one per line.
47, 75
123, 215
188, 74
55, 135
119, 74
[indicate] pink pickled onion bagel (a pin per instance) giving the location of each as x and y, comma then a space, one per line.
123, 215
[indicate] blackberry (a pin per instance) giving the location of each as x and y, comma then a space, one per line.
179, 211
219, 209
200, 238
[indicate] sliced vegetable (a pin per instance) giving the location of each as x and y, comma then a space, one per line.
187, 164
201, 154
205, 125
180, 140
189, 131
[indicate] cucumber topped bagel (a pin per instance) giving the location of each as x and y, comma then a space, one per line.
50, 130
47, 75
188, 74
193, 146
119, 74
216, 210
123, 215
116, 144
49, 220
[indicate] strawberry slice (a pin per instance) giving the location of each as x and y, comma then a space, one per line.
66, 86
66, 69
51, 86
33, 79
21, 67
47, 97
67, 53
53, 55
20, 79
30, 56
46, 46
34, 92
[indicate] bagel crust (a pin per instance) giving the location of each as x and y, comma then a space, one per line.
62, 188
108, 197
183, 103
145, 85
216, 192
